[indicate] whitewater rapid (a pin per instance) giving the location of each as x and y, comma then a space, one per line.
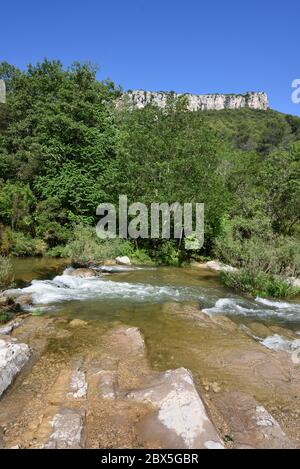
66, 287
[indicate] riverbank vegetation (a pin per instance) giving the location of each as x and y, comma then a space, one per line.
65, 147
6, 273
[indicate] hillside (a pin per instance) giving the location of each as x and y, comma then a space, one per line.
65, 148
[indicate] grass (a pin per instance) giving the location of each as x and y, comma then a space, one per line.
6, 273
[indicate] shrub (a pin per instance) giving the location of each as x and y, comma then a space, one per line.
251, 244
85, 246
19, 244
264, 259
259, 284
6, 273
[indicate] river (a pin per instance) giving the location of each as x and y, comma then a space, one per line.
239, 349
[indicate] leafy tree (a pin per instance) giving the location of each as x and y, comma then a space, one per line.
16, 204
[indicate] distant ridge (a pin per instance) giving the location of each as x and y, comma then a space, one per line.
2, 92
205, 102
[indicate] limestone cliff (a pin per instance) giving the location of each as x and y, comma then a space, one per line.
2, 91
205, 102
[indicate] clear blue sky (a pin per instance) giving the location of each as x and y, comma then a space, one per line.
192, 46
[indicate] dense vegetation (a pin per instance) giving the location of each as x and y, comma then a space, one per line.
65, 147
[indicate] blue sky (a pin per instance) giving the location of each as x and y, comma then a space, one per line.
185, 46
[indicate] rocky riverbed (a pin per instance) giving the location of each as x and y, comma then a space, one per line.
159, 374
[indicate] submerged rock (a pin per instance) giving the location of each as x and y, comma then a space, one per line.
67, 430
252, 426
13, 356
82, 273
107, 384
180, 420
77, 323
78, 385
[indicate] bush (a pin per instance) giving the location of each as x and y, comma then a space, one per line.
259, 284
5, 317
6, 273
264, 259
252, 245
19, 244
85, 246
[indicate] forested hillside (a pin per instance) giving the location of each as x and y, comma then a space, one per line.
65, 148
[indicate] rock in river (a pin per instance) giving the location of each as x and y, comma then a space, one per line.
123, 260
82, 273
67, 430
13, 356
181, 420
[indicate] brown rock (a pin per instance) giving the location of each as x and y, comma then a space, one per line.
83, 273
77, 323
24, 300
250, 423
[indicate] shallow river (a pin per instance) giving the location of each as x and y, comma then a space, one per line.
139, 296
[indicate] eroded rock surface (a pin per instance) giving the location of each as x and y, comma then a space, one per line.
180, 419
13, 356
252, 426
81, 273
208, 102
78, 384
68, 430
125, 403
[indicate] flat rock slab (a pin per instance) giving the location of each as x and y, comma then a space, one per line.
78, 385
13, 356
252, 426
67, 430
107, 384
179, 419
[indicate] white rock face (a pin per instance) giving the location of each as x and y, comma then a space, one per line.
217, 266
123, 260
206, 102
295, 282
67, 430
180, 411
2, 92
13, 356
78, 385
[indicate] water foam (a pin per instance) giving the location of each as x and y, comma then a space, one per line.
277, 342
259, 307
66, 288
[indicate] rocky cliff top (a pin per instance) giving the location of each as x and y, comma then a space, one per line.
206, 102
2, 91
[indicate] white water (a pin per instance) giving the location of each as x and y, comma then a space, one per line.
259, 307
65, 288
276, 342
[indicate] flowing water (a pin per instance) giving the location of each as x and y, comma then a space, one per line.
138, 296
188, 319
